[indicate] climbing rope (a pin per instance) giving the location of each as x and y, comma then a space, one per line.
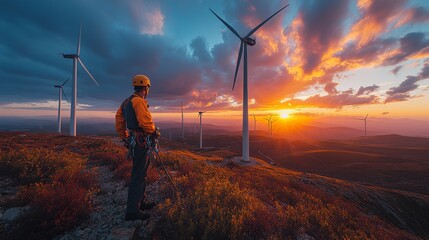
152, 145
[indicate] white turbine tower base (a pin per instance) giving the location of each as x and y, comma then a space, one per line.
76, 58
244, 41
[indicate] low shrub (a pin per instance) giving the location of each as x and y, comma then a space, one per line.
36, 164
216, 209
56, 206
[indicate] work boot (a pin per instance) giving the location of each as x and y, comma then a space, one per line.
147, 205
136, 216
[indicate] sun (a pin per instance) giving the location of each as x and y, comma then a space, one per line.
284, 115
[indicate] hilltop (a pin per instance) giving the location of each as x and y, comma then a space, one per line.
219, 198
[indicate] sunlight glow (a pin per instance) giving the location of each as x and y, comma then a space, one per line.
284, 114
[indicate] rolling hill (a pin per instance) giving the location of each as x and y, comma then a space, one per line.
222, 198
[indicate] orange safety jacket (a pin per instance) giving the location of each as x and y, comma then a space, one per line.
133, 114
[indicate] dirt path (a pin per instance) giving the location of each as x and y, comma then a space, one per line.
107, 220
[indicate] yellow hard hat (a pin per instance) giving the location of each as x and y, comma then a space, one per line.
141, 81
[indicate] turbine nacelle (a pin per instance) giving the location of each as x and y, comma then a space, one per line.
250, 41
70, 55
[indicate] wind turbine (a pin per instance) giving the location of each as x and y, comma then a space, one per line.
271, 127
364, 119
254, 123
76, 58
244, 41
183, 128
60, 94
269, 120
200, 114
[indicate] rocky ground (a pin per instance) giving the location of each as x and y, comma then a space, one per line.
107, 220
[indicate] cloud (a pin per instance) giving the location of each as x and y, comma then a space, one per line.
308, 44
148, 16
411, 43
414, 15
376, 18
373, 51
406, 86
402, 91
320, 29
367, 90
339, 100
200, 49
396, 70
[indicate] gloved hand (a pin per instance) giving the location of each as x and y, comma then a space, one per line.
157, 133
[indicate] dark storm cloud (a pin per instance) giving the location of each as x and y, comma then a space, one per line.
35, 32
322, 28
410, 44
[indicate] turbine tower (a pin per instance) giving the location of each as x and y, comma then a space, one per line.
183, 128
364, 119
244, 41
268, 122
60, 94
254, 123
200, 114
271, 126
76, 58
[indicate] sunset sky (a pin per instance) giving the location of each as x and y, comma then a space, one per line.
316, 57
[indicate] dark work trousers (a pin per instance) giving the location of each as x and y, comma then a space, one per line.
138, 179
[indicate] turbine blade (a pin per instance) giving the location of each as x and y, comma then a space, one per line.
366, 116
78, 40
65, 82
262, 23
64, 94
226, 24
238, 64
93, 79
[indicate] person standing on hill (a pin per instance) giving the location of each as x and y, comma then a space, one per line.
133, 124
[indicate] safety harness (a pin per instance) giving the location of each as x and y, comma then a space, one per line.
137, 137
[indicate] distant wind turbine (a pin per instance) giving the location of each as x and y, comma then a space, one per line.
244, 41
364, 119
183, 128
200, 114
271, 126
60, 94
76, 58
254, 123
269, 121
